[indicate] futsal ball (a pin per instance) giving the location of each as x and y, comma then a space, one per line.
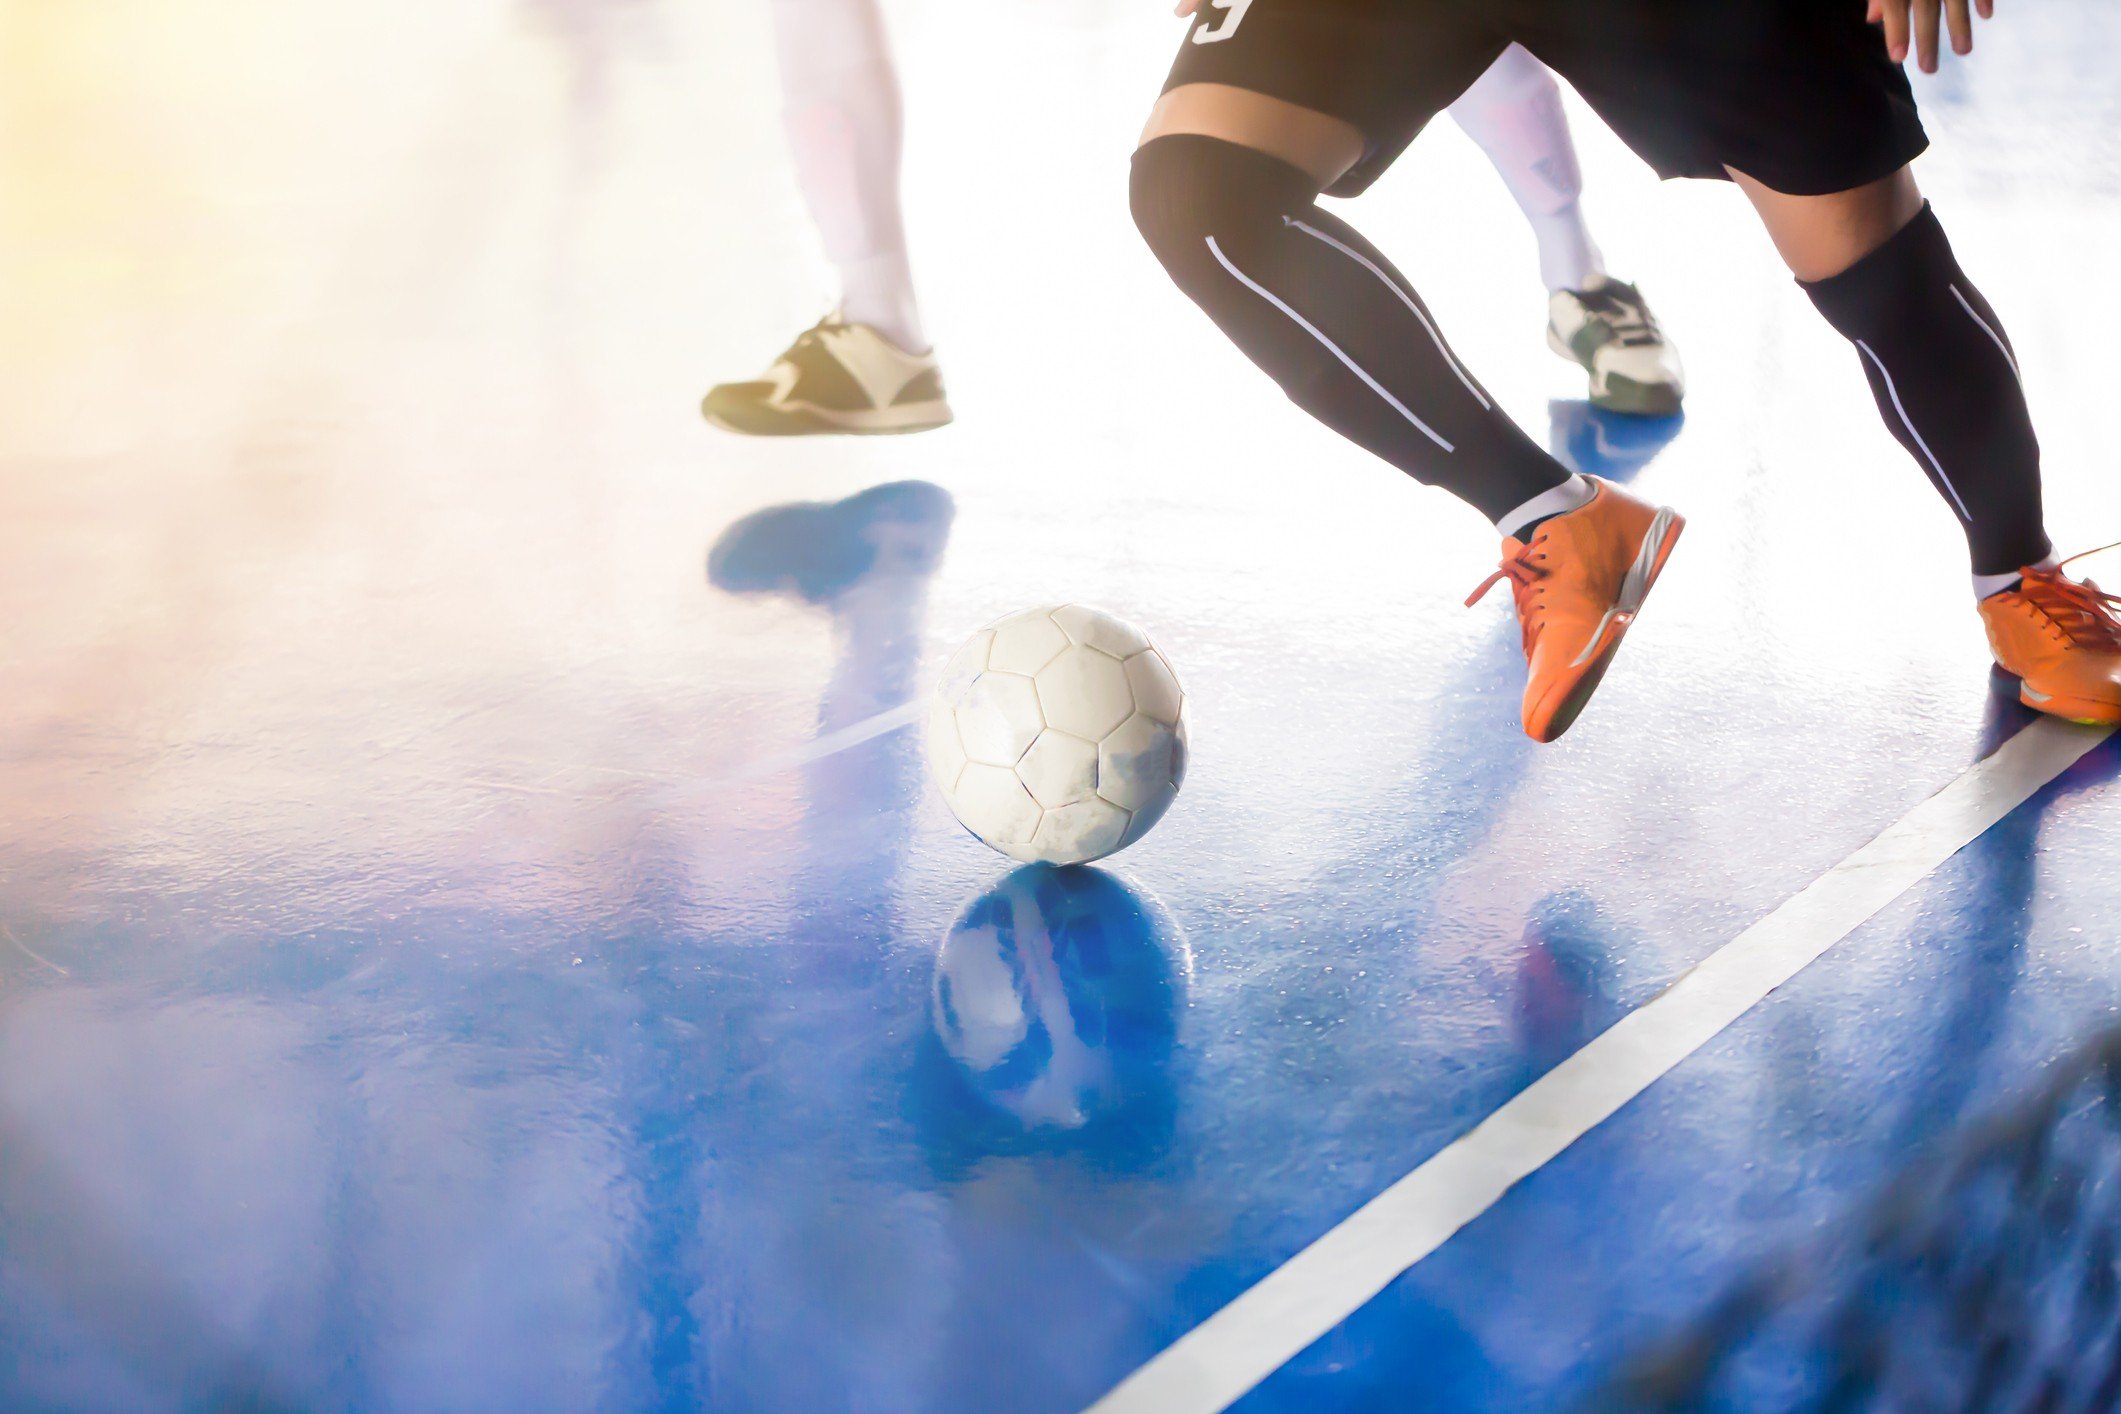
1058, 735
1057, 994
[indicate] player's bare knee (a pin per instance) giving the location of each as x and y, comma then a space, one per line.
1219, 166
1820, 236
1313, 142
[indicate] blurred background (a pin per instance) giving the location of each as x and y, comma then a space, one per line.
473, 935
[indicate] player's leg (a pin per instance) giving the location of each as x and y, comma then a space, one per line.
1804, 100
841, 109
867, 366
1225, 189
1514, 112
1877, 264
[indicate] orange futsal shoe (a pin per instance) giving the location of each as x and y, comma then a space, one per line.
1578, 585
2060, 638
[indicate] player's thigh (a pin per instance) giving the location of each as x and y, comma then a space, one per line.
1821, 236
1798, 94
1337, 88
1318, 143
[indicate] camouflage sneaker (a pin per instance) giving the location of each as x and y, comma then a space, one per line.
835, 377
1609, 329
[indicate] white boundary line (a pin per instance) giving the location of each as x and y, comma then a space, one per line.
27, 951
830, 744
1253, 1336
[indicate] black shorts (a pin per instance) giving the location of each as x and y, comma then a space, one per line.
1798, 94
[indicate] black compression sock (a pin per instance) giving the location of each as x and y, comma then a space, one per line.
1946, 382
1328, 318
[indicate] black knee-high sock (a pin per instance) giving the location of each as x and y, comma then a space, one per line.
1946, 381
1329, 319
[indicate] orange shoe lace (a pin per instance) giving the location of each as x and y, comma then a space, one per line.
1524, 570
2081, 610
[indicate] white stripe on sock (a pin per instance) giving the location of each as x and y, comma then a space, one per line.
1404, 298
2001, 347
1309, 328
1894, 393
1558, 500
1987, 584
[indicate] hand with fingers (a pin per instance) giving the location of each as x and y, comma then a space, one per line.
1922, 18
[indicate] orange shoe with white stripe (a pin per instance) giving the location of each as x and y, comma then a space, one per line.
1579, 583
2060, 638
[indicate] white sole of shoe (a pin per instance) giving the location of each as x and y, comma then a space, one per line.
908, 417
1622, 394
806, 419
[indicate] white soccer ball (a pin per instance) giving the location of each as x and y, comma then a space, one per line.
1058, 735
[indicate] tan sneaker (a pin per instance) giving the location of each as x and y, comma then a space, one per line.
1579, 584
835, 377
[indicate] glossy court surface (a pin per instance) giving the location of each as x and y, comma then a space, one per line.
475, 933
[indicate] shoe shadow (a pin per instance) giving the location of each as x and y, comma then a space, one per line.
1567, 990
863, 564
1614, 446
818, 551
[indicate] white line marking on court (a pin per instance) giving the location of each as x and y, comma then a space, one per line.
27, 951
830, 744
1240, 1345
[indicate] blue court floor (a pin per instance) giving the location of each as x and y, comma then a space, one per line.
475, 932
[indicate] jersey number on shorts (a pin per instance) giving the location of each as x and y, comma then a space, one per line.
1234, 15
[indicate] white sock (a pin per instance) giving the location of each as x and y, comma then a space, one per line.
1514, 112
841, 108
1568, 258
1987, 584
1566, 497
877, 290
